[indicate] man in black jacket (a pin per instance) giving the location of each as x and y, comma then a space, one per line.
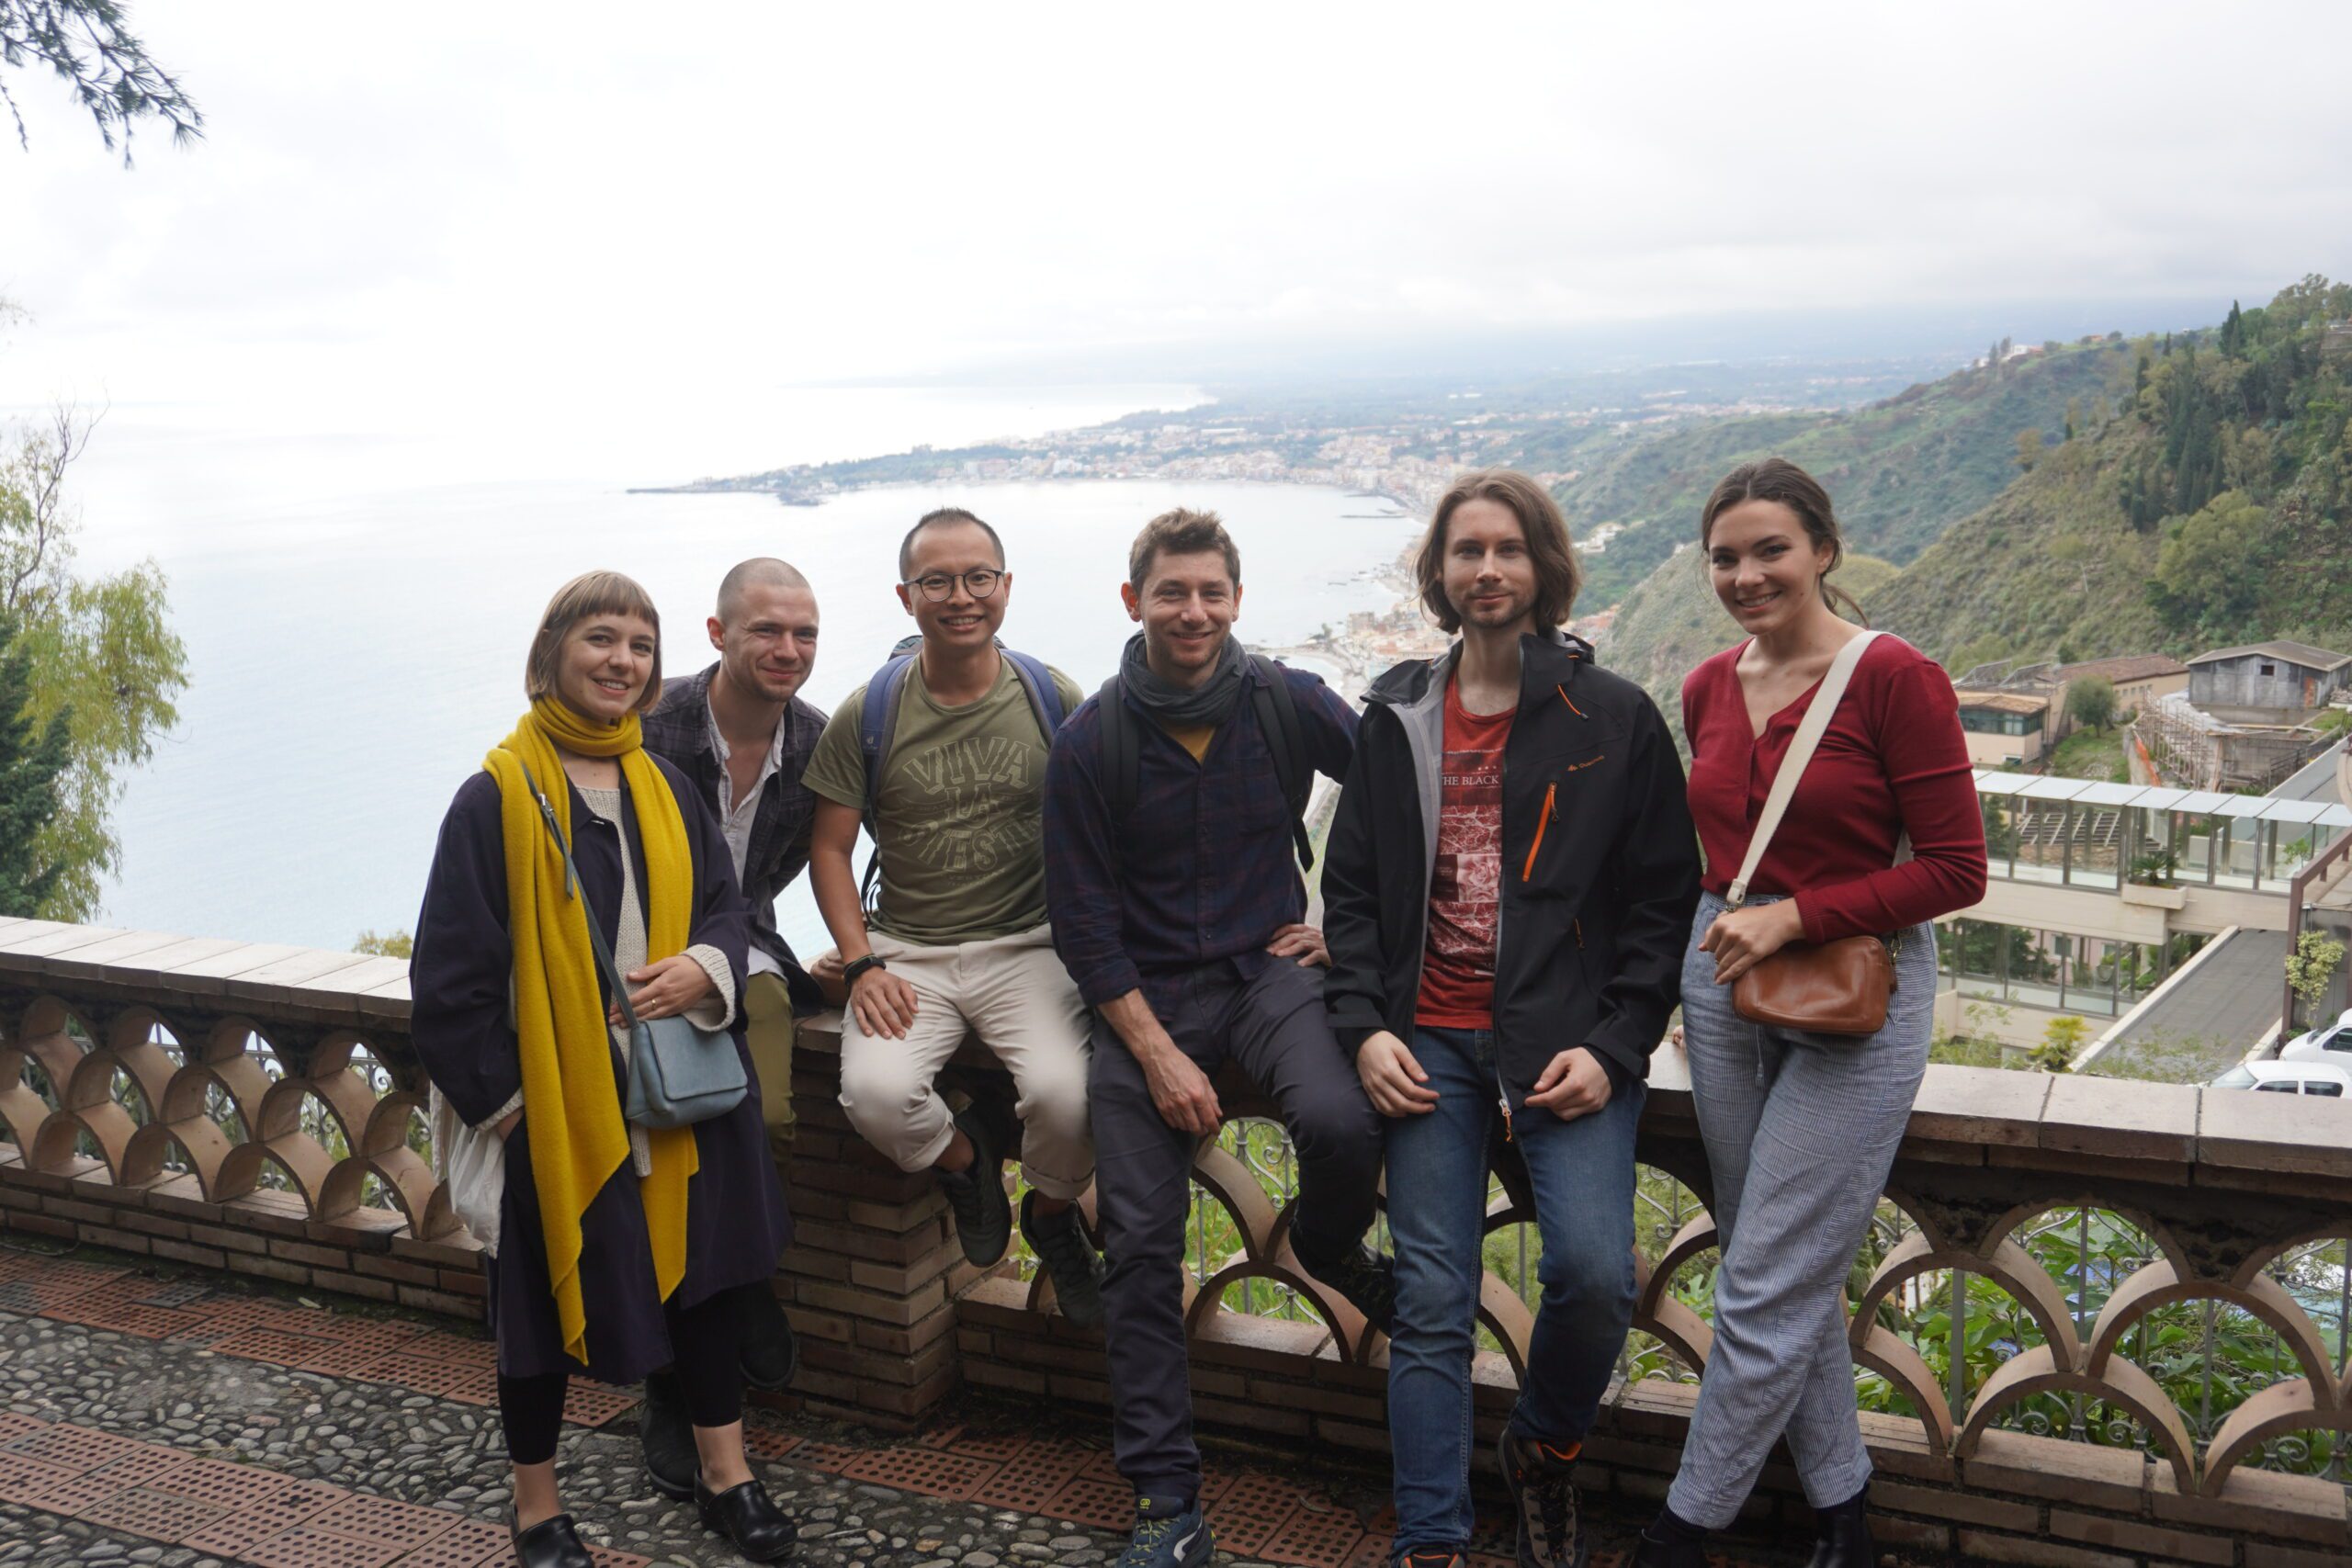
1506, 892
741, 733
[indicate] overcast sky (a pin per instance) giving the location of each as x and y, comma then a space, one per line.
467, 206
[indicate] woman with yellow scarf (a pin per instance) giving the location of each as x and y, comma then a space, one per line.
608, 1247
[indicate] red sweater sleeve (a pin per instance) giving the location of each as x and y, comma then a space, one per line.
1914, 717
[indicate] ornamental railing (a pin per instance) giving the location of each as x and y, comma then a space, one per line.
2143, 1284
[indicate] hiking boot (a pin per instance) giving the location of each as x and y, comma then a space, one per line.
1164, 1538
975, 1193
1070, 1261
670, 1462
1540, 1476
1367, 1279
766, 1348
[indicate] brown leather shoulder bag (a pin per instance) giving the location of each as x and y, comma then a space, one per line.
1835, 988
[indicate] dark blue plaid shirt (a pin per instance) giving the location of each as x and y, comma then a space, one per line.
679, 729
1202, 870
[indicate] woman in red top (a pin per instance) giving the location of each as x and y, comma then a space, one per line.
1800, 1129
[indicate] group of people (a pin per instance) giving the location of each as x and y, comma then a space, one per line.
1109, 892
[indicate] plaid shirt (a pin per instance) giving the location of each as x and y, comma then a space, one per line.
1202, 870
679, 729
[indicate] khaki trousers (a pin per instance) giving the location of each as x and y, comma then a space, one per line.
1014, 994
768, 1031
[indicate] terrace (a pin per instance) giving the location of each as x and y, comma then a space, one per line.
2099, 1322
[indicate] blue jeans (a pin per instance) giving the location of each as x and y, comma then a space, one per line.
1582, 1173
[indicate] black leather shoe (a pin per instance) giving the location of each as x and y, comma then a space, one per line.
767, 1349
747, 1515
1844, 1541
551, 1543
671, 1462
1655, 1547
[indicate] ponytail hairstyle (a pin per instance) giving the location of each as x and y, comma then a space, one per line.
1777, 479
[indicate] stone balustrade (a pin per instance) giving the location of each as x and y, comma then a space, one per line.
256, 1109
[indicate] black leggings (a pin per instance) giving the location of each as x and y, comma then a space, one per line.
703, 1337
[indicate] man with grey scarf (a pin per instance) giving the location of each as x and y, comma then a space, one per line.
1178, 908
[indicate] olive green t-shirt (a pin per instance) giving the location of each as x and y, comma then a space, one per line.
961, 818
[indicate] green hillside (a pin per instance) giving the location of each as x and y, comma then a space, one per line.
1901, 470
1673, 620
2210, 510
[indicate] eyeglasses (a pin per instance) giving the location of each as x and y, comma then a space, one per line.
937, 586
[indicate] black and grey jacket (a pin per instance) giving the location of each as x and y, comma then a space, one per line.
1600, 866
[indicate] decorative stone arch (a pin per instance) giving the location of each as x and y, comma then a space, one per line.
2157, 1232
2008, 1265
2030, 1372
2295, 1406
2159, 1285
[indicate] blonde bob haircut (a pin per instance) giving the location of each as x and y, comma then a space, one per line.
589, 594
1557, 576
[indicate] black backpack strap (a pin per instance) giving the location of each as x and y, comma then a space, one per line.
1122, 755
1278, 721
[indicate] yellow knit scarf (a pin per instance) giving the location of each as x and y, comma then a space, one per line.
578, 1138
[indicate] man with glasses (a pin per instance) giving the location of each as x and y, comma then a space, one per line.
941, 758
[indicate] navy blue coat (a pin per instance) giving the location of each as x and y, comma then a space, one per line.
737, 1222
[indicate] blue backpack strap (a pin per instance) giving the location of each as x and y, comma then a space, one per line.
877, 721
1278, 719
1045, 694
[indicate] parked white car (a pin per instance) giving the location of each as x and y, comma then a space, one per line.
2332, 1042
2289, 1077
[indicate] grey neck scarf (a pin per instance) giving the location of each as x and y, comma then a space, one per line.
1211, 702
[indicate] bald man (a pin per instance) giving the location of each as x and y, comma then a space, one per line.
740, 731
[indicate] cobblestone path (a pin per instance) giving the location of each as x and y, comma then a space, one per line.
151, 1417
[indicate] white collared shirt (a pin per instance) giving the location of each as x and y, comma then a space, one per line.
735, 817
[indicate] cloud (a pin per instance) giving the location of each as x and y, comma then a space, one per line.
444, 213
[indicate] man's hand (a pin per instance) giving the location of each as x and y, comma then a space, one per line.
1302, 942
666, 988
1741, 939
1180, 1092
1572, 1084
885, 1004
1393, 1081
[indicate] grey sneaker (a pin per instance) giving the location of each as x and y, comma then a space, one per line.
1070, 1259
1168, 1540
1540, 1478
983, 1214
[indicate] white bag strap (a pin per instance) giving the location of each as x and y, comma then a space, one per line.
1810, 730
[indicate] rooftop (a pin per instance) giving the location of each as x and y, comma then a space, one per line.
2301, 653
2128, 666
2003, 702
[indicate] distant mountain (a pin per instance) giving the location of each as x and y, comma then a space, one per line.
2211, 509
1901, 470
1672, 620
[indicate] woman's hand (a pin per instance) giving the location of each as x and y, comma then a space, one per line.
885, 1004
1741, 939
667, 988
1393, 1081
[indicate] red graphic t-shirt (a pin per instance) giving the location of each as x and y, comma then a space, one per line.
1465, 884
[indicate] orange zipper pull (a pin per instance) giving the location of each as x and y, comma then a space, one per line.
1504, 1100
1550, 811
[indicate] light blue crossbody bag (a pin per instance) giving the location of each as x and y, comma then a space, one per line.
679, 1074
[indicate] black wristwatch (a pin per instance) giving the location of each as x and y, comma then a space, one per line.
856, 967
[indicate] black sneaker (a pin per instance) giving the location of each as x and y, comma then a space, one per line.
1070, 1259
1543, 1501
766, 1348
1367, 1279
670, 1462
983, 1214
